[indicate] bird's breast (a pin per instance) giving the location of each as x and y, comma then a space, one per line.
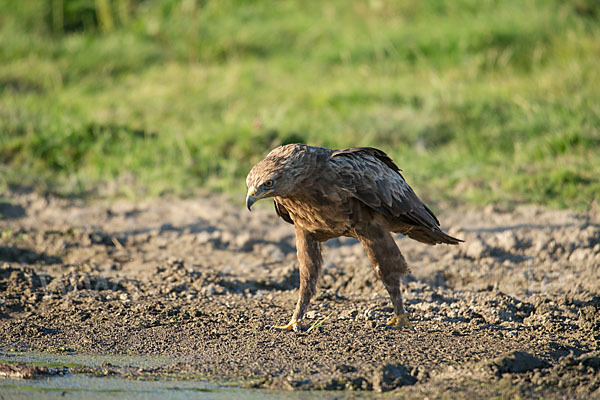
323, 218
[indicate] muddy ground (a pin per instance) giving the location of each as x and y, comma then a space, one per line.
515, 310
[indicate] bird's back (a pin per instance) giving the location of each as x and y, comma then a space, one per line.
342, 190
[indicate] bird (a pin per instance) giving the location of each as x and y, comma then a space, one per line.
357, 192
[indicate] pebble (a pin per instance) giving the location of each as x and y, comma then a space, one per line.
579, 255
368, 314
348, 314
508, 241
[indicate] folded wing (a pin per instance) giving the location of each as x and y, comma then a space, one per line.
372, 177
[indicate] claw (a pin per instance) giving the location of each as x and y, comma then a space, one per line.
293, 325
400, 321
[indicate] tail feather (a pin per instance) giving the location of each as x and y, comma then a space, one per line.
432, 236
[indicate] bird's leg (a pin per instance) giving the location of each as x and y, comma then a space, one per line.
310, 261
400, 319
389, 265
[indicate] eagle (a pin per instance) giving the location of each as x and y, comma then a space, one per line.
357, 192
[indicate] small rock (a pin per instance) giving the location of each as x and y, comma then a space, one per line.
277, 255
579, 255
391, 376
348, 314
203, 237
244, 241
508, 241
310, 315
514, 363
212, 290
540, 244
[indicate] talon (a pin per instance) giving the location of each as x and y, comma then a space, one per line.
400, 321
293, 325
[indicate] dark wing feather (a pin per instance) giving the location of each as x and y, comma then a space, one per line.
282, 212
374, 179
380, 155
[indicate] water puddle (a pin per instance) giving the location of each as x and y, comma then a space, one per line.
84, 386
78, 386
84, 360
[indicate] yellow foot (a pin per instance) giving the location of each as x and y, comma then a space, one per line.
400, 321
293, 325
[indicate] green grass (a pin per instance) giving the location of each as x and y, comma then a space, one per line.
477, 100
319, 322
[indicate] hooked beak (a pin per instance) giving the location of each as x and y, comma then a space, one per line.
252, 197
250, 200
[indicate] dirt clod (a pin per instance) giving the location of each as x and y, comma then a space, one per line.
392, 376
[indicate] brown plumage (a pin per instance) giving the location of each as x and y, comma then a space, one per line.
357, 192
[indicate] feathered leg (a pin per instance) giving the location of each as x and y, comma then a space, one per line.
310, 261
389, 266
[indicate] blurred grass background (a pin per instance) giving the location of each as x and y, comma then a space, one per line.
477, 100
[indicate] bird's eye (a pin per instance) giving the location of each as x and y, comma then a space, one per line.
268, 183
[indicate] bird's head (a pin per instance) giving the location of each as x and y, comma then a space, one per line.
275, 175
